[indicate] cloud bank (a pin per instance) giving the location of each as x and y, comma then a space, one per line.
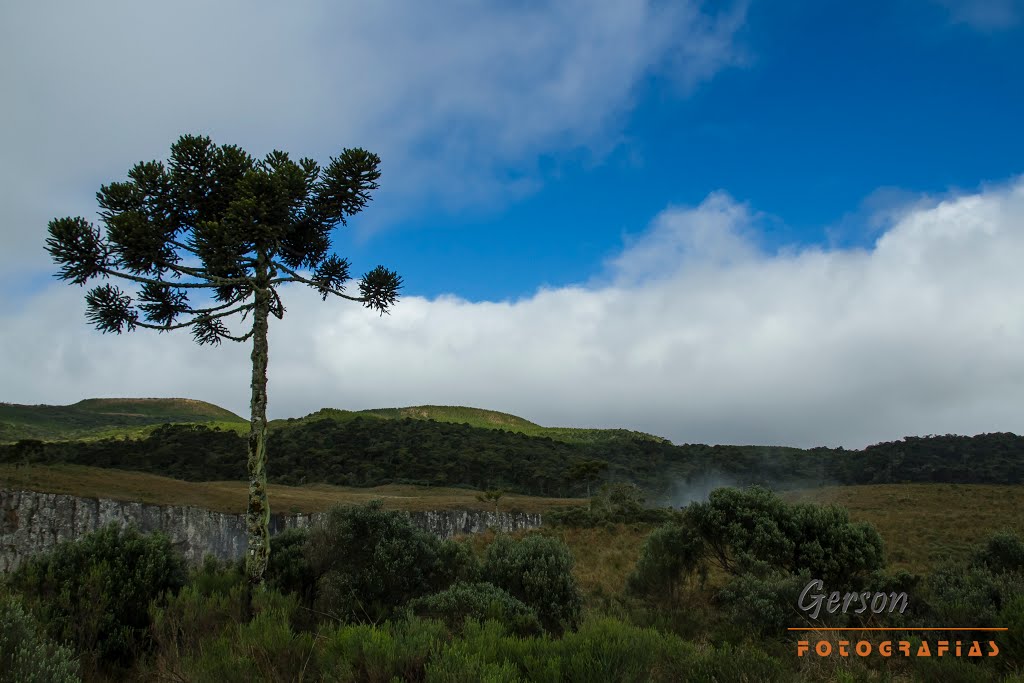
692, 332
459, 98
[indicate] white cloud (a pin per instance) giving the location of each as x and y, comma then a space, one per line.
921, 334
459, 98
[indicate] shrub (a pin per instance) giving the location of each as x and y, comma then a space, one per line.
215, 577
611, 650
458, 563
538, 571
737, 665
618, 503
213, 643
95, 592
970, 595
1012, 641
670, 555
459, 663
191, 617
954, 670
1002, 553
479, 601
754, 529
391, 651
26, 654
762, 606
369, 562
601, 650
264, 649
288, 569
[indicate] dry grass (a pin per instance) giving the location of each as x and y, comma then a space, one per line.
924, 525
231, 496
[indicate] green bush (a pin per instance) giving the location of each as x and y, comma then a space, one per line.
737, 665
458, 663
954, 670
215, 577
479, 601
601, 650
392, 651
538, 571
971, 595
369, 562
288, 568
610, 650
192, 617
458, 563
95, 592
618, 503
753, 529
1002, 553
762, 606
1011, 617
264, 649
670, 555
26, 654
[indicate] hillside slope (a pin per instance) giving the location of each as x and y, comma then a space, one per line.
97, 417
136, 418
476, 417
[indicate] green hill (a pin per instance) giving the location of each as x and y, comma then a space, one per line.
468, 447
360, 450
136, 418
100, 417
480, 418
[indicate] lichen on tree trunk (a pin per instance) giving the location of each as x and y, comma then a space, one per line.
257, 517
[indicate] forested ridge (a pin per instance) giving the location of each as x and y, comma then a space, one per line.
365, 451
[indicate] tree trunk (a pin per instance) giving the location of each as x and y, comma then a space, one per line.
257, 516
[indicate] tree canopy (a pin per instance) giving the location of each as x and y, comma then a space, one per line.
211, 235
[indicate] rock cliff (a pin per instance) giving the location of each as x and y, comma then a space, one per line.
32, 522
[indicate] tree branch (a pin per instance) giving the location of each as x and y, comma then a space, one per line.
184, 246
213, 280
167, 328
198, 311
295, 277
245, 336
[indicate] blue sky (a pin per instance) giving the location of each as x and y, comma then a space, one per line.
839, 110
739, 222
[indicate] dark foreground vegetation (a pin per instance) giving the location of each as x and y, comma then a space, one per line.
367, 597
368, 451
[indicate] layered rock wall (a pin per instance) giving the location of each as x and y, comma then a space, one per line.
32, 522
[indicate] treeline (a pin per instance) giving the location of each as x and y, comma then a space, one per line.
371, 452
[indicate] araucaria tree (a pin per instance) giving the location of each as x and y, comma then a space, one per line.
219, 225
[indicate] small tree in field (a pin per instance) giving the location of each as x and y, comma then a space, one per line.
217, 222
491, 496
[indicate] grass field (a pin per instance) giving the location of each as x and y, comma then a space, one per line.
922, 525
925, 524
231, 496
